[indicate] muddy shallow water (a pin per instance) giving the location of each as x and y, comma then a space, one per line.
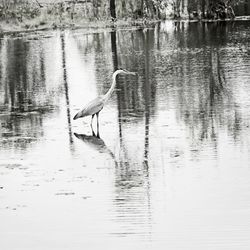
171, 168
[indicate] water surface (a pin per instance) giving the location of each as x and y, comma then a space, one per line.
171, 166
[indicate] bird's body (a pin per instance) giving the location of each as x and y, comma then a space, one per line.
95, 106
92, 108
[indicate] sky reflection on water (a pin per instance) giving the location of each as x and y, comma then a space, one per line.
170, 168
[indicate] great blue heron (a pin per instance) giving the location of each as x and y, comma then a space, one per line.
95, 106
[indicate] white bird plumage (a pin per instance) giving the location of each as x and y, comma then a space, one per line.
95, 106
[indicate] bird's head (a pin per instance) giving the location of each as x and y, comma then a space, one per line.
124, 71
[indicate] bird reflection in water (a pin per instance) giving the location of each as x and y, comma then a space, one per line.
96, 142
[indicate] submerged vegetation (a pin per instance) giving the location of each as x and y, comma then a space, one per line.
33, 14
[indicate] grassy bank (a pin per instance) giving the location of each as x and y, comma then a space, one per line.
52, 22
36, 25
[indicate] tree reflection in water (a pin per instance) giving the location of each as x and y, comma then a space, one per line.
66, 88
194, 79
177, 71
132, 199
153, 169
26, 98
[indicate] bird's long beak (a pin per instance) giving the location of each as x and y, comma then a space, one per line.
131, 73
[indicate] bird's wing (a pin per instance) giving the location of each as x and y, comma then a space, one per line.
91, 108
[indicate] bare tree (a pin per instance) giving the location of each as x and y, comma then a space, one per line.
112, 9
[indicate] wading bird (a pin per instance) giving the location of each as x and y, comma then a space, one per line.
95, 106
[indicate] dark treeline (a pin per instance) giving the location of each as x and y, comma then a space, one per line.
192, 9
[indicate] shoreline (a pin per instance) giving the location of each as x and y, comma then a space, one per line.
28, 27
105, 24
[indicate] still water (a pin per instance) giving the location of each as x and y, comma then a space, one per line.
171, 169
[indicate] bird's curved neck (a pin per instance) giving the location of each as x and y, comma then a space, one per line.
110, 91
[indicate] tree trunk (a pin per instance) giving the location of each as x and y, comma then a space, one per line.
138, 9
203, 4
95, 9
150, 8
112, 9
176, 8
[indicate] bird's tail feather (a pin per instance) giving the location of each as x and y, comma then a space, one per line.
80, 114
76, 116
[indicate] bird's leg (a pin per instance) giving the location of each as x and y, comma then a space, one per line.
92, 130
97, 118
92, 121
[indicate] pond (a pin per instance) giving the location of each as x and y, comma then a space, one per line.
171, 166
